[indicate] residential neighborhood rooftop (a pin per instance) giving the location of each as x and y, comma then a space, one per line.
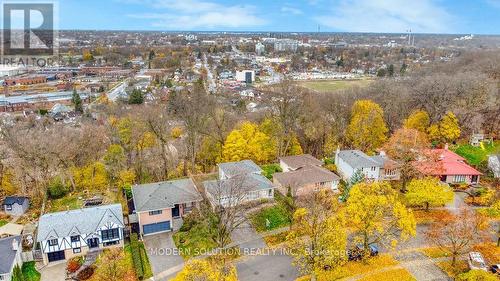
299, 161
8, 254
63, 224
306, 175
156, 196
444, 162
10, 200
358, 159
248, 182
237, 168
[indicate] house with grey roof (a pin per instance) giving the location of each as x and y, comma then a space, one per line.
238, 183
306, 180
15, 205
10, 249
374, 168
295, 162
159, 206
64, 235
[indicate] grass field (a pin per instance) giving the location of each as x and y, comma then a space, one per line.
334, 85
476, 155
275, 216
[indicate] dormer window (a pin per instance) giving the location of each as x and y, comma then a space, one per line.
75, 238
53, 242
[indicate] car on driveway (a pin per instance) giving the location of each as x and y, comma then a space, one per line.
495, 269
358, 252
476, 261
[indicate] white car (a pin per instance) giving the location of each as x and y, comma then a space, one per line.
476, 261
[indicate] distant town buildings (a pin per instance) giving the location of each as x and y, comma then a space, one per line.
247, 76
260, 49
286, 45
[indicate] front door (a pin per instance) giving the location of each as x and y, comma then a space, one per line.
93, 243
475, 179
176, 211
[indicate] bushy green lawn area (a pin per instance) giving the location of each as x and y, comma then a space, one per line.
270, 170
29, 272
194, 239
3, 222
69, 202
477, 155
276, 215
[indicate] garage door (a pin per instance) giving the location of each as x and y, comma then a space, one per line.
56, 256
156, 227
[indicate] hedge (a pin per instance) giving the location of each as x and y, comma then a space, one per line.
136, 256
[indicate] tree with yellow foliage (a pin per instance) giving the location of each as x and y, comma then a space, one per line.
91, 177
447, 130
418, 120
318, 236
428, 192
248, 142
367, 129
7, 182
376, 215
203, 270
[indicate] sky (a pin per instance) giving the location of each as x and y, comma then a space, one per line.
392, 16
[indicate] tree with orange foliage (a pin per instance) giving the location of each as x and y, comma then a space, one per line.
404, 146
456, 233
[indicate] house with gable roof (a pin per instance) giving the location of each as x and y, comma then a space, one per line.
64, 235
159, 205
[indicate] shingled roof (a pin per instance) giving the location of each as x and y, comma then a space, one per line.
8, 254
162, 195
81, 221
232, 169
304, 176
299, 161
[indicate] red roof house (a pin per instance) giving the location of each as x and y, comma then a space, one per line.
447, 165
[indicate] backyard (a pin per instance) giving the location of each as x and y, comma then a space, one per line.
477, 155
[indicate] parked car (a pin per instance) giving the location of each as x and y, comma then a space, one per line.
358, 252
476, 261
495, 269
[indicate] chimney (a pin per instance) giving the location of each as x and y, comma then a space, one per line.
382, 153
446, 147
15, 245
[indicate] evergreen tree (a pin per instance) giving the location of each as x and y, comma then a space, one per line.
136, 97
17, 274
356, 178
77, 102
390, 70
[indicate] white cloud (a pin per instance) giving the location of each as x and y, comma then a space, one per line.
388, 16
198, 14
291, 10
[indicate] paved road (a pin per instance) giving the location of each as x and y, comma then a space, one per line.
163, 255
265, 267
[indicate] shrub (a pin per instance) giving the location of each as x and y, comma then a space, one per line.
476, 275
86, 273
136, 256
270, 170
57, 189
74, 264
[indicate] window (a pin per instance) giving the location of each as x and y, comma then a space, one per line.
459, 178
8, 207
390, 172
1, 277
155, 213
53, 242
110, 234
75, 238
270, 193
77, 250
107, 244
374, 169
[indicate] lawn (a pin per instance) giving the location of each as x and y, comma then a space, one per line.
3, 222
424, 217
434, 252
70, 202
269, 218
29, 272
334, 85
355, 268
276, 239
390, 275
476, 155
460, 267
195, 240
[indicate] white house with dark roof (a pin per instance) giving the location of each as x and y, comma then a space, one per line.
64, 235
239, 182
158, 205
374, 168
15, 205
10, 256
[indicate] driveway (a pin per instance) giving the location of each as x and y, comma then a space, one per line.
164, 257
55, 272
421, 267
247, 238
